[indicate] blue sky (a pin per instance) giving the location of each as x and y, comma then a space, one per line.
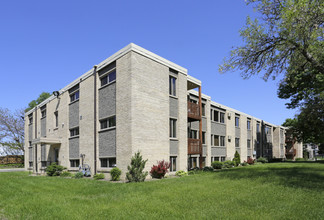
45, 45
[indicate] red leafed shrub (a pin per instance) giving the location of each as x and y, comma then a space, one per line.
250, 161
159, 171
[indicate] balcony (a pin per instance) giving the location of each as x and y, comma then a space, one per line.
193, 111
194, 146
291, 152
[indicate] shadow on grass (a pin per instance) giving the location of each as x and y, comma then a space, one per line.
298, 176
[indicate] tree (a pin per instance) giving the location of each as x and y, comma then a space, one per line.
288, 38
43, 96
12, 131
135, 170
237, 158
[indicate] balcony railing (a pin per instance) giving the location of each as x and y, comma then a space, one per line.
193, 110
194, 146
291, 152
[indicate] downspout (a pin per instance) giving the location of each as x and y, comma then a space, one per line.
95, 118
36, 165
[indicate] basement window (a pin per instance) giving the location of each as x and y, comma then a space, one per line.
74, 163
108, 162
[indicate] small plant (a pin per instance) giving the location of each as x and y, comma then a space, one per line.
135, 169
250, 161
54, 170
237, 158
217, 165
115, 174
159, 171
262, 160
78, 175
181, 173
99, 176
66, 174
208, 169
228, 164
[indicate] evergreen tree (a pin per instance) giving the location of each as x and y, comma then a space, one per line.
135, 170
237, 158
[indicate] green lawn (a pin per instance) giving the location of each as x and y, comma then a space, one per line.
271, 191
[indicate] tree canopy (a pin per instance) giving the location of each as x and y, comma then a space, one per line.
43, 96
288, 38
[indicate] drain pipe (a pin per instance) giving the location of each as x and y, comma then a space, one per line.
95, 118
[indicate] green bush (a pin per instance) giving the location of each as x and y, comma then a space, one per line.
228, 164
66, 174
135, 170
258, 163
54, 170
244, 164
217, 165
78, 175
237, 159
115, 174
208, 169
181, 173
262, 160
99, 176
300, 159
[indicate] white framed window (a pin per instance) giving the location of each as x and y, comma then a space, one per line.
108, 78
173, 128
108, 122
74, 132
75, 96
173, 164
108, 162
172, 86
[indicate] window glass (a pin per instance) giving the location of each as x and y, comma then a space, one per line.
222, 140
248, 143
237, 121
216, 140
112, 76
248, 125
237, 142
173, 128
222, 117
172, 86
203, 109
216, 115
173, 164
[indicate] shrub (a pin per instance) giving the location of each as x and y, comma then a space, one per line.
54, 170
135, 170
258, 163
217, 165
208, 169
99, 176
78, 175
159, 171
115, 174
244, 164
181, 173
66, 174
300, 159
237, 158
228, 164
262, 160
250, 161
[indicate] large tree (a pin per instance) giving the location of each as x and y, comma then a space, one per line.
11, 131
287, 38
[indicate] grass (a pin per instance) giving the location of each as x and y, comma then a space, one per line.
269, 191
13, 165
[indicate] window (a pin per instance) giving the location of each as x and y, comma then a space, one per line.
216, 140
222, 141
203, 161
56, 118
211, 114
44, 163
43, 111
214, 159
222, 117
30, 164
203, 109
108, 122
75, 96
216, 115
222, 159
172, 86
237, 142
237, 121
74, 163
258, 127
173, 128
248, 125
108, 162
30, 118
212, 140
193, 134
173, 164
74, 132
193, 162
248, 143
111, 77
203, 137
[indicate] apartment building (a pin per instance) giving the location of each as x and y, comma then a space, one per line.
138, 101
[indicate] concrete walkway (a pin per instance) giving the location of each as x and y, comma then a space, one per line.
12, 170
